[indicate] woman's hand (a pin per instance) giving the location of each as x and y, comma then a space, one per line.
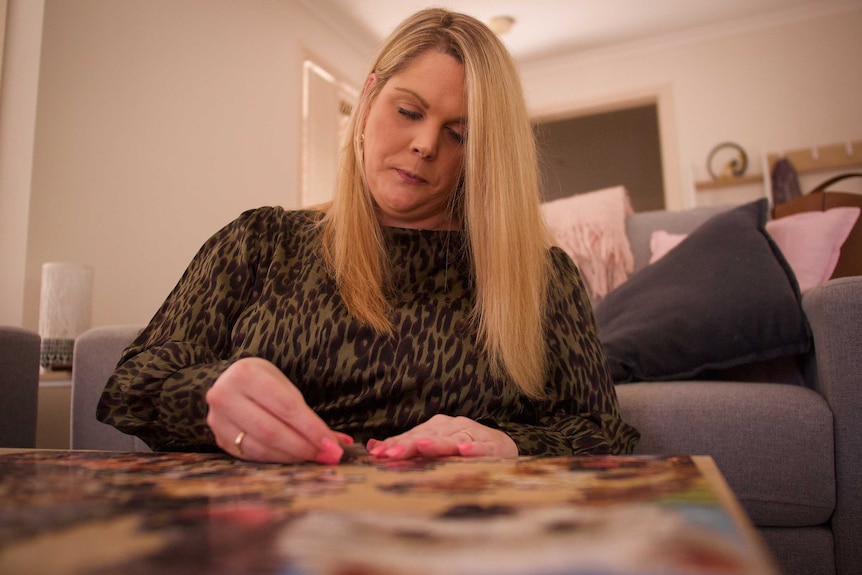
256, 413
442, 436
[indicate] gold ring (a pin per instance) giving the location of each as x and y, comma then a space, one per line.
237, 443
467, 433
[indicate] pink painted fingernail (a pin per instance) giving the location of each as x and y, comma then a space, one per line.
377, 449
330, 452
395, 451
465, 448
344, 439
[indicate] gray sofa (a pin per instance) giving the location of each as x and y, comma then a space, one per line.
789, 442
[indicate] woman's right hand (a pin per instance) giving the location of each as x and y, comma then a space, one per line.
257, 413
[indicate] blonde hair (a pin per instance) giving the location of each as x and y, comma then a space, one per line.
497, 197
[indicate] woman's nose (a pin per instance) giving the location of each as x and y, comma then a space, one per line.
425, 144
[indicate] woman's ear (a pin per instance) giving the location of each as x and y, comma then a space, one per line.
369, 84
366, 94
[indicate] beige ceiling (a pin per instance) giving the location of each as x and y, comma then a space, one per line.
545, 28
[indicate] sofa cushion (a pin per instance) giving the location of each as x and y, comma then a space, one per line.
811, 242
591, 228
662, 242
801, 549
772, 442
641, 225
723, 297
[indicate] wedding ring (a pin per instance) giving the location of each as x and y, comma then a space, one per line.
467, 433
237, 443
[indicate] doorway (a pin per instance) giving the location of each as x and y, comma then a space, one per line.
601, 150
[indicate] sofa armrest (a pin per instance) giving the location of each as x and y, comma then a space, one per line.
19, 386
834, 312
97, 352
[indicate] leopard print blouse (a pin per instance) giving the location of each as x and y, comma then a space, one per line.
259, 287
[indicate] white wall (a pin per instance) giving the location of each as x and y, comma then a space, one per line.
157, 123
17, 116
768, 86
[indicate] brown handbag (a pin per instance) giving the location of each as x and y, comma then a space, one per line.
821, 199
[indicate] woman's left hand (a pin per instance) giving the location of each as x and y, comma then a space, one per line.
443, 436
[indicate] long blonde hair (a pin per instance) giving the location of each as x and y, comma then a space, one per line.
498, 198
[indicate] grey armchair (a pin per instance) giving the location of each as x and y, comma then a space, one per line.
19, 386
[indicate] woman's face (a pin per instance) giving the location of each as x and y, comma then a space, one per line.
414, 142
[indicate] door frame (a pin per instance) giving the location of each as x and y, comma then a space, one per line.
676, 197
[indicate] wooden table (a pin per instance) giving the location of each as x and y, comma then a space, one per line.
101, 512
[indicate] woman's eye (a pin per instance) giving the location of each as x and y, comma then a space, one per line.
409, 114
457, 136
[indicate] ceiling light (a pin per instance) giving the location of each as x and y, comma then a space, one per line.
501, 24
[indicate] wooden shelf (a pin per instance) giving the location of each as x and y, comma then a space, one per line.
805, 161
819, 159
51, 376
728, 182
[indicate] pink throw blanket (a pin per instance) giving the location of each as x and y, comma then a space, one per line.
591, 228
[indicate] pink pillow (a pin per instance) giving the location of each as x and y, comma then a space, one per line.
811, 242
591, 228
662, 242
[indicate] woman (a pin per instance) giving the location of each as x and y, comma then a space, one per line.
421, 312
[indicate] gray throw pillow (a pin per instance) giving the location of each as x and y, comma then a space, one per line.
723, 297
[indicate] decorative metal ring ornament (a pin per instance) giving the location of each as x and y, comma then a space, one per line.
733, 167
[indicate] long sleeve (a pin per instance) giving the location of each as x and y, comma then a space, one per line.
157, 391
260, 287
581, 414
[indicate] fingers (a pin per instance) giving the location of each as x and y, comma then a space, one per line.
445, 436
253, 397
343, 438
256, 413
432, 448
265, 438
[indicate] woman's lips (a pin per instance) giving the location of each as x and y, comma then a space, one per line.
410, 178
